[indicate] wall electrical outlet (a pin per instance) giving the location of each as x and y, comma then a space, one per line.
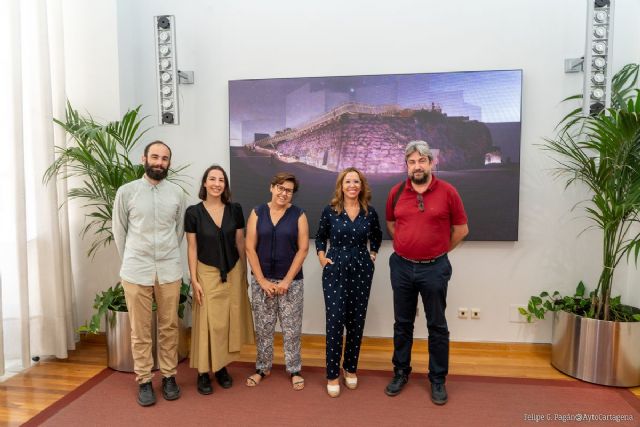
475, 313
463, 312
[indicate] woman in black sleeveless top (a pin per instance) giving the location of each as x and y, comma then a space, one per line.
277, 244
221, 315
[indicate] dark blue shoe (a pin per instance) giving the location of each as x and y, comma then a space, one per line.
146, 396
223, 378
204, 384
400, 379
439, 394
170, 390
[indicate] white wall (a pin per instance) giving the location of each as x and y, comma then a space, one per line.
241, 39
92, 82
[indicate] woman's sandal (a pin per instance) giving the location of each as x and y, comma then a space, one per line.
297, 381
255, 379
350, 382
333, 390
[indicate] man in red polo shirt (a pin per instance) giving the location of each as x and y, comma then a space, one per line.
426, 220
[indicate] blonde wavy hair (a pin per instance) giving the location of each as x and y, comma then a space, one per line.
364, 197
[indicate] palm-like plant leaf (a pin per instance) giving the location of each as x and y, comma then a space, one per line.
603, 153
623, 85
99, 156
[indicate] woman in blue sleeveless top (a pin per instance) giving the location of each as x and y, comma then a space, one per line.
277, 243
348, 223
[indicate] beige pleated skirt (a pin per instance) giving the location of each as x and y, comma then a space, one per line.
223, 323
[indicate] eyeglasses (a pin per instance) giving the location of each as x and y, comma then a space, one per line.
420, 203
283, 189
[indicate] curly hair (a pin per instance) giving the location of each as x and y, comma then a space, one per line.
364, 197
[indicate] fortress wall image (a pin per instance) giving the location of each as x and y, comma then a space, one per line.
375, 143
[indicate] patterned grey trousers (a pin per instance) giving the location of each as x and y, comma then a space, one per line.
288, 309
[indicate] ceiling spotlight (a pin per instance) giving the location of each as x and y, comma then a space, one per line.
167, 104
166, 69
600, 32
600, 47
599, 62
168, 75
600, 16
597, 93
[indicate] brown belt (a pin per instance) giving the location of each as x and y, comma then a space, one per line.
423, 261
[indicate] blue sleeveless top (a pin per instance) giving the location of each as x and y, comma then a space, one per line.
277, 246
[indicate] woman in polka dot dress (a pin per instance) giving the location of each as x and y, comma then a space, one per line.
348, 223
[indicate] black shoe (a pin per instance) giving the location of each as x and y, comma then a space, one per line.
223, 378
204, 384
439, 394
170, 390
146, 396
400, 379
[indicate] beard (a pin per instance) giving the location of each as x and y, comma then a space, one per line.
422, 180
157, 173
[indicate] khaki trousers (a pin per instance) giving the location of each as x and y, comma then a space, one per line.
139, 301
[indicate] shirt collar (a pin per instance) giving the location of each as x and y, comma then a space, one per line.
148, 184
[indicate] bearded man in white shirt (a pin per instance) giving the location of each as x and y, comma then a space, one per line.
148, 227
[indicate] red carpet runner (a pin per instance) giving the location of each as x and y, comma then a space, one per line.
109, 399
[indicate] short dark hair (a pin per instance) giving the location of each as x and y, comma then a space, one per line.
281, 177
151, 144
226, 194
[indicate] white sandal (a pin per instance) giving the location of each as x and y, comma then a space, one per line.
333, 390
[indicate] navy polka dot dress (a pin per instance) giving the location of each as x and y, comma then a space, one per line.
347, 282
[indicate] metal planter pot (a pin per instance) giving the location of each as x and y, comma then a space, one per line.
118, 331
596, 351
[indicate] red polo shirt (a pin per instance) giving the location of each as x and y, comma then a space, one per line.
425, 235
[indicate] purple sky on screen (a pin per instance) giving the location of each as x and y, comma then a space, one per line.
268, 105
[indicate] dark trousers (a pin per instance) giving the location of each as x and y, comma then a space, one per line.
430, 281
346, 297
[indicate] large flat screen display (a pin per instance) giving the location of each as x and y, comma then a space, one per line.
315, 127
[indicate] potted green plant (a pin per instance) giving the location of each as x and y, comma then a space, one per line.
99, 160
111, 301
111, 305
596, 337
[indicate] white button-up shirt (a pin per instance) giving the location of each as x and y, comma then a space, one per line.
148, 227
